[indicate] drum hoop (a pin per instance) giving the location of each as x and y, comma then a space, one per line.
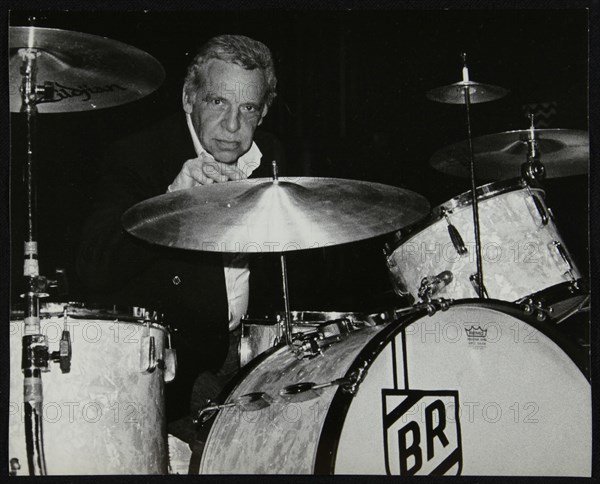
484, 192
331, 316
90, 311
340, 403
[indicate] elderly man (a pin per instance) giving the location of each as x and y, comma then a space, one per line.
226, 95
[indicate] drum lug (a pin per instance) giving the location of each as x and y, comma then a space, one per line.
455, 237
475, 284
562, 252
148, 360
312, 344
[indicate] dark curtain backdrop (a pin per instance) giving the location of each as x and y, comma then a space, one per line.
351, 104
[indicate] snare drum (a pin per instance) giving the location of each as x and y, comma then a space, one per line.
261, 334
522, 250
106, 415
472, 390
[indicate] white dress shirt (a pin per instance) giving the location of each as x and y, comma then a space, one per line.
236, 265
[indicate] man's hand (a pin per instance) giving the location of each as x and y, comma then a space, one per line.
204, 170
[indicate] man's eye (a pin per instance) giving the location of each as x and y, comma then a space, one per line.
250, 108
216, 102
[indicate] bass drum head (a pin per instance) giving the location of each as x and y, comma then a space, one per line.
472, 390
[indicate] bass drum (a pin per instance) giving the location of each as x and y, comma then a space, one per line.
106, 415
471, 390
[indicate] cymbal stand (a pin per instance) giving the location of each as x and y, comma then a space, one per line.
479, 275
287, 328
533, 170
35, 354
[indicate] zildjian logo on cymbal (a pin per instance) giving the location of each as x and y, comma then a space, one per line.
62, 92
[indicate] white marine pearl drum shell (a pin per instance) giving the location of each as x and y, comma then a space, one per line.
519, 256
106, 416
487, 393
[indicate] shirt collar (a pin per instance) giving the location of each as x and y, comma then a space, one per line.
248, 162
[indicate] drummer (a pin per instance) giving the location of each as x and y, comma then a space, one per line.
227, 92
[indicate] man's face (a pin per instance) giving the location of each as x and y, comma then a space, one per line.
226, 110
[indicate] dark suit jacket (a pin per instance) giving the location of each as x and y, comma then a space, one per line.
117, 268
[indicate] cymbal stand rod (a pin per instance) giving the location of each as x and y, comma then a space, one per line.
286, 301
35, 349
533, 169
287, 329
475, 205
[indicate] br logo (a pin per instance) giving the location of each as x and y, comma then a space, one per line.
421, 432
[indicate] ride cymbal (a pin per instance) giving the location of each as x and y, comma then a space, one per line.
563, 152
260, 215
87, 72
455, 93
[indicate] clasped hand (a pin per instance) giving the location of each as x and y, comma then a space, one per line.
205, 170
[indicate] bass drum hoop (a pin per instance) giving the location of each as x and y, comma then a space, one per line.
334, 421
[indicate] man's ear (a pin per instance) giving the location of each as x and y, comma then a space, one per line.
265, 110
188, 100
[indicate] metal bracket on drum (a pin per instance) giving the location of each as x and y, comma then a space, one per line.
455, 237
532, 305
562, 252
303, 391
309, 345
475, 284
250, 402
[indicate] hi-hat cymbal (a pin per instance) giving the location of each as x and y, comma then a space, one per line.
262, 215
89, 72
455, 93
563, 152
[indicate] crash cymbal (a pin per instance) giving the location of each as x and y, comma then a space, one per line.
89, 72
563, 152
455, 93
260, 215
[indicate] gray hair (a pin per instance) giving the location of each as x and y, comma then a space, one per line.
237, 49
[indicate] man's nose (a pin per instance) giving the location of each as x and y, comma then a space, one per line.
232, 120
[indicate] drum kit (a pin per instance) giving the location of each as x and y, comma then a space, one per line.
472, 377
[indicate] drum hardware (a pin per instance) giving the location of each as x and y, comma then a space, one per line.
312, 344
455, 237
170, 360
533, 170
562, 252
544, 212
250, 402
348, 384
478, 289
533, 306
430, 286
452, 94
15, 467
